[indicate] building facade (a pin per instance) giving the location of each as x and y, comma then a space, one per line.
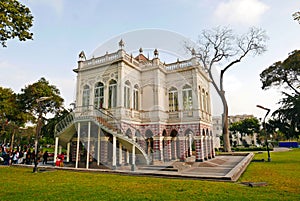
132, 109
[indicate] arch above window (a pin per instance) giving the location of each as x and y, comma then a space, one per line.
186, 87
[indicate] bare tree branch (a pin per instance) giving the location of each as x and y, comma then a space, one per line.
220, 44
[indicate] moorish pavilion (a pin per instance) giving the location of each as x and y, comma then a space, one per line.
133, 110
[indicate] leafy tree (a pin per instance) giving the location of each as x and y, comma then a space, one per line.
15, 21
279, 129
296, 16
48, 130
221, 47
247, 126
31, 93
11, 115
286, 75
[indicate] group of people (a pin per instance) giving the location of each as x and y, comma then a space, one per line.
21, 156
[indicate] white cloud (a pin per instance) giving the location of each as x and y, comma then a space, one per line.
246, 12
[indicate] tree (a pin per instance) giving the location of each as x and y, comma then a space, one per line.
285, 75
11, 115
247, 126
47, 130
15, 21
296, 16
219, 46
31, 93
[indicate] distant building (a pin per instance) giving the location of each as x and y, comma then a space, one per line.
236, 137
132, 109
217, 130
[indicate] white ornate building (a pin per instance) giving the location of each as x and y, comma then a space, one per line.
136, 110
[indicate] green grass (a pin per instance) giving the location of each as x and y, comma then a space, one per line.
282, 176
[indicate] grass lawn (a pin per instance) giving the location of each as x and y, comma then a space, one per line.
282, 176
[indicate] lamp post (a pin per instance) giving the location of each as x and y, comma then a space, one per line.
38, 130
264, 127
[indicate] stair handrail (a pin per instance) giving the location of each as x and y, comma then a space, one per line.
108, 113
64, 123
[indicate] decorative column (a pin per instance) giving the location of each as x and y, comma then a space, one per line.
104, 149
55, 150
181, 148
88, 146
120, 154
133, 167
77, 147
127, 156
99, 146
199, 148
205, 147
174, 148
68, 152
187, 148
209, 147
167, 149
59, 149
157, 148
190, 145
114, 157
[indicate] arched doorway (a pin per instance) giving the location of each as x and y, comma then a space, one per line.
149, 141
175, 151
189, 142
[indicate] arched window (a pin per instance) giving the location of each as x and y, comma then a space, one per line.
99, 95
127, 94
136, 97
112, 94
86, 96
187, 97
203, 100
173, 99
207, 103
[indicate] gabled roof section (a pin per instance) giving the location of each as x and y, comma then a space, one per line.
141, 58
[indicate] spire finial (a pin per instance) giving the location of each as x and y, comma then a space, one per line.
156, 53
193, 52
121, 44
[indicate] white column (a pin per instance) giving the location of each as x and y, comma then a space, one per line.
190, 144
99, 144
127, 156
55, 150
88, 146
59, 149
114, 158
133, 158
68, 152
120, 154
77, 147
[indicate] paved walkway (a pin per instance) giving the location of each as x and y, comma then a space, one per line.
222, 167
227, 167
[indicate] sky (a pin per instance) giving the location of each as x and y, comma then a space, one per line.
63, 28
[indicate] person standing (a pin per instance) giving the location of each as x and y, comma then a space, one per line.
45, 157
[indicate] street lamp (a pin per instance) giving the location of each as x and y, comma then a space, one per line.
264, 127
38, 130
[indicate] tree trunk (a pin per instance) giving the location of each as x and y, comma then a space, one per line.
221, 92
12, 140
227, 147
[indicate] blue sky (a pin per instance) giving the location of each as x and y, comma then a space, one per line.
63, 28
